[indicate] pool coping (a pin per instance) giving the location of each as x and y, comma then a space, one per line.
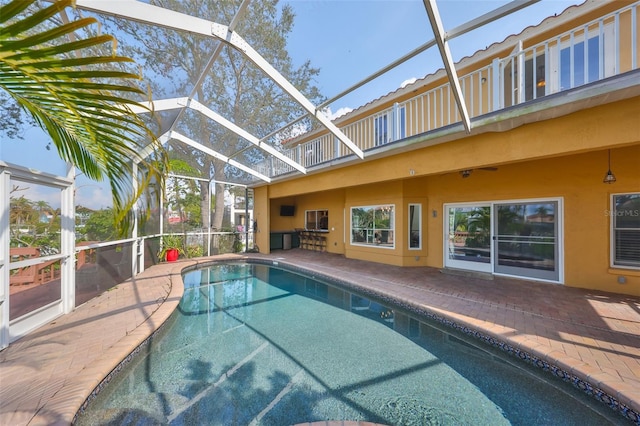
81, 389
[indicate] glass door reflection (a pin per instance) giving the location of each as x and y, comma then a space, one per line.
526, 240
469, 237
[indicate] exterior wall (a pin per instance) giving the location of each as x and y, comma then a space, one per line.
609, 126
562, 158
262, 214
577, 180
279, 223
332, 201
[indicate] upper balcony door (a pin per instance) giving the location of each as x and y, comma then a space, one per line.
522, 86
580, 57
580, 62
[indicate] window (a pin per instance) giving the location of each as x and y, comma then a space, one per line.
401, 131
579, 63
317, 219
625, 219
373, 225
592, 63
381, 132
415, 226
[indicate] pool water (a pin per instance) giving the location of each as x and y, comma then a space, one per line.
252, 344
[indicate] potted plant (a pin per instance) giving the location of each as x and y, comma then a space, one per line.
170, 248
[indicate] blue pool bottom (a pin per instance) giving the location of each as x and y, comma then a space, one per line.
251, 344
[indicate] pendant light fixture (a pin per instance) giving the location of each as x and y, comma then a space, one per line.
609, 177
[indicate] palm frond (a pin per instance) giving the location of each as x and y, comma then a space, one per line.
78, 97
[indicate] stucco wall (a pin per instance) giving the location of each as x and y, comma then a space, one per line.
333, 201
562, 158
576, 179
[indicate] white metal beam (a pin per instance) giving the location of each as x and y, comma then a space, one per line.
489, 17
175, 103
155, 15
471, 25
193, 104
216, 53
222, 32
177, 136
443, 46
159, 105
5, 255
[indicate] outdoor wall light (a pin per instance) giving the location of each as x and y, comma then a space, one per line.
465, 173
609, 177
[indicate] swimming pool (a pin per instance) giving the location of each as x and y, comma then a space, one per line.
256, 344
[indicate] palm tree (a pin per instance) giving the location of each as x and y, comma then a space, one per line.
22, 212
80, 98
479, 227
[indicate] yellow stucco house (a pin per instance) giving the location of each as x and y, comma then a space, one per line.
520, 191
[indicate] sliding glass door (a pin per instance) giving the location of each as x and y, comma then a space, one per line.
518, 238
468, 237
526, 239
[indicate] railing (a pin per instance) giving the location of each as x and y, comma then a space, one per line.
102, 265
602, 48
35, 281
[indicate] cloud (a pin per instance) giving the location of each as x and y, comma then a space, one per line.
340, 112
94, 197
407, 82
35, 193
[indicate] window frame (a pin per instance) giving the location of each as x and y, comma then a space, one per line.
381, 129
606, 53
410, 223
612, 213
317, 226
370, 232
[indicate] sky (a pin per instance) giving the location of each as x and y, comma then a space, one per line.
348, 40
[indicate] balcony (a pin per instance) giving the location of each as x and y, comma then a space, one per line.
559, 75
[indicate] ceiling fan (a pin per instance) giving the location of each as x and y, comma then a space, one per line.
467, 172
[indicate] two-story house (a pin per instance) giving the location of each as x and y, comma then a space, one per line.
542, 182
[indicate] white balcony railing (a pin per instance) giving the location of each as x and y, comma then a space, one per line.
602, 48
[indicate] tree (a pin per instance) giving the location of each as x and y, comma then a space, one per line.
34, 223
479, 226
183, 194
233, 87
52, 72
22, 211
99, 226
